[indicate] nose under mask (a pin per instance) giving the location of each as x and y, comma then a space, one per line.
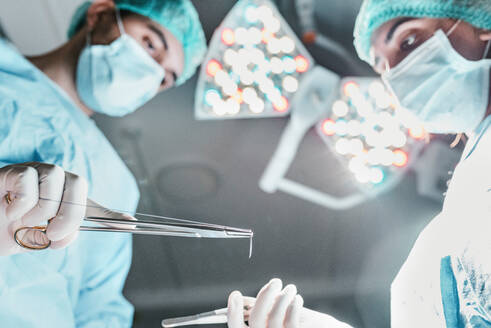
446, 91
118, 78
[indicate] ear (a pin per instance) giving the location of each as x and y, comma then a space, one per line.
96, 9
485, 35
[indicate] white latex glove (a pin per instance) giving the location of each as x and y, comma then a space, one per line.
27, 182
275, 308
65, 209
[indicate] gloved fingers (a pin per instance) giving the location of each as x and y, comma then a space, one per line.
65, 241
72, 208
96, 210
51, 179
235, 313
8, 246
278, 313
249, 302
293, 314
264, 303
19, 191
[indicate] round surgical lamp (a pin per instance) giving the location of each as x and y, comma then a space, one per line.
254, 65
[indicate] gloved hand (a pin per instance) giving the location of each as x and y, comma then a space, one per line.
273, 308
22, 187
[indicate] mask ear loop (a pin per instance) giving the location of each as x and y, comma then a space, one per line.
120, 26
88, 39
387, 66
486, 50
120, 22
453, 27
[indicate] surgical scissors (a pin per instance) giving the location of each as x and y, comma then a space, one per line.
159, 225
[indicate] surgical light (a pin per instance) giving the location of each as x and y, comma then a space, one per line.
341, 127
290, 84
354, 128
281, 104
350, 89
276, 65
289, 64
254, 49
376, 175
370, 136
302, 64
400, 158
213, 67
287, 45
329, 127
212, 97
228, 36
364, 144
340, 108
417, 132
251, 14
266, 36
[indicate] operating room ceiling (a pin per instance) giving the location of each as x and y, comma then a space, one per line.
343, 262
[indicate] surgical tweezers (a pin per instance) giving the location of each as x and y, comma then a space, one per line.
213, 317
159, 225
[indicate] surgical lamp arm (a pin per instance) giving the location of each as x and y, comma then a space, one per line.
315, 96
310, 35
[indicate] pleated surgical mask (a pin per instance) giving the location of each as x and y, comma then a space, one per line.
118, 78
446, 91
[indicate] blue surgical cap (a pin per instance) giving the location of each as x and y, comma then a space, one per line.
374, 13
178, 16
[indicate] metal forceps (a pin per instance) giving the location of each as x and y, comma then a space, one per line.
155, 225
213, 317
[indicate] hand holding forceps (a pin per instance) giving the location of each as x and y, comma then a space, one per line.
35, 238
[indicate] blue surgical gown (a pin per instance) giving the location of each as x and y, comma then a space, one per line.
81, 285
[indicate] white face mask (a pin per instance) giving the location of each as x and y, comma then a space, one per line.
118, 78
446, 91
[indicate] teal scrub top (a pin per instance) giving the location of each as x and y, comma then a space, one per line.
81, 285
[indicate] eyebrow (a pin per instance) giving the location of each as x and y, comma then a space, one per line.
394, 27
160, 34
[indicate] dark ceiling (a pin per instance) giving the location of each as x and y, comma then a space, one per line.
342, 262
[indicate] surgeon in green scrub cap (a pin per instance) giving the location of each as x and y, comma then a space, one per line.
53, 157
435, 56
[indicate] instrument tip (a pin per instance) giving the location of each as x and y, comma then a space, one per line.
250, 245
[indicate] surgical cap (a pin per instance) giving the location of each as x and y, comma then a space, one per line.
374, 13
178, 16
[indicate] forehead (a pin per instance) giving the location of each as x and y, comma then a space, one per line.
403, 23
137, 24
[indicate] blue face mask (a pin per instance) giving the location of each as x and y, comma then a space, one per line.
446, 91
118, 78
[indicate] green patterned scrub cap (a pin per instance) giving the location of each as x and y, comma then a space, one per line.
374, 13
178, 16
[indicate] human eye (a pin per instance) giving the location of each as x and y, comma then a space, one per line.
409, 42
148, 44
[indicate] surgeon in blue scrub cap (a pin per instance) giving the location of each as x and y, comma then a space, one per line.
120, 54
435, 55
